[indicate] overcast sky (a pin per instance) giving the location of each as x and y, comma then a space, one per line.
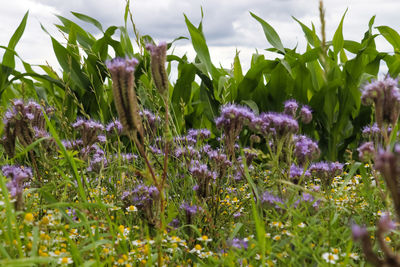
227, 23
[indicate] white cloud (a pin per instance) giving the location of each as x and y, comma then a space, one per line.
227, 24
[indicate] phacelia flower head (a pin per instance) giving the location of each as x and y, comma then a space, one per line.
270, 199
358, 231
89, 130
371, 132
18, 175
296, 172
122, 70
150, 121
275, 124
290, 107
326, 171
385, 95
305, 149
24, 122
121, 65
231, 120
366, 151
158, 59
114, 127
190, 209
306, 114
386, 224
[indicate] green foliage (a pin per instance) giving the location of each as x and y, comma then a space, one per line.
327, 81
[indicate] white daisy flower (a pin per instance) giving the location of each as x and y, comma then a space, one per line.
330, 257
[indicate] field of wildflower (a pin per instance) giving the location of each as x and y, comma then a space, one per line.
111, 164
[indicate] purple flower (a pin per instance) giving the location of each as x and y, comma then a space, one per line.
297, 172
203, 177
305, 114
385, 95
386, 224
114, 126
141, 196
268, 198
231, 120
194, 135
18, 176
17, 173
366, 151
174, 223
89, 131
151, 122
121, 64
24, 122
188, 151
358, 231
326, 171
158, 59
219, 159
72, 144
127, 157
239, 243
275, 124
189, 209
371, 132
98, 161
305, 149
291, 107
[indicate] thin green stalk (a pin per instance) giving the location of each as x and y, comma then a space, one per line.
11, 219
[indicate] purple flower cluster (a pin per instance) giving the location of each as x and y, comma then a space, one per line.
125, 100
190, 210
89, 131
308, 198
290, 107
141, 196
158, 60
117, 65
296, 172
387, 163
326, 171
24, 122
18, 175
269, 199
114, 127
146, 199
250, 155
98, 161
203, 177
72, 144
194, 135
385, 95
358, 232
366, 151
275, 124
231, 120
189, 152
305, 114
371, 132
151, 122
201, 171
386, 224
239, 243
219, 159
305, 149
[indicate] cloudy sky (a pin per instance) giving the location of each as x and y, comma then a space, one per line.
227, 23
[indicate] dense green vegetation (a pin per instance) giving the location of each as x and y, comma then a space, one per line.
110, 164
